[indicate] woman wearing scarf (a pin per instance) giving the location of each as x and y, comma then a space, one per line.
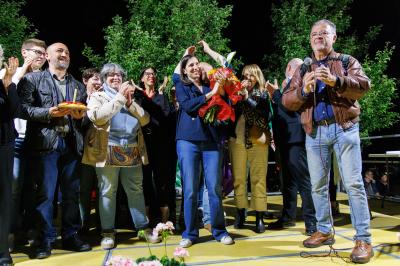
115, 145
248, 145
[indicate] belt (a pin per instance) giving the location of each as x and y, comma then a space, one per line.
325, 122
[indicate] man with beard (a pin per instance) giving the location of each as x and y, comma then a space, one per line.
54, 136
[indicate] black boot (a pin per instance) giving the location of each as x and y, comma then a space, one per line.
240, 218
260, 226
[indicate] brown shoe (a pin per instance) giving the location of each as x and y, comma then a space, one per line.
318, 239
208, 227
362, 252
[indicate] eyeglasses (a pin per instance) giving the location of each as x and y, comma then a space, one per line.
109, 75
321, 33
148, 74
37, 52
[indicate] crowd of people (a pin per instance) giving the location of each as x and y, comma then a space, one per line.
134, 135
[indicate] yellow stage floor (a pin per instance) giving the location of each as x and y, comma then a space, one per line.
270, 248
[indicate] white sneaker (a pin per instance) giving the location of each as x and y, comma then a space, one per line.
185, 243
108, 240
227, 240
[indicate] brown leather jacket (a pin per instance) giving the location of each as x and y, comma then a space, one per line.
343, 96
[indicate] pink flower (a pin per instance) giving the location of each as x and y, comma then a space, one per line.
120, 261
150, 263
170, 225
181, 252
161, 227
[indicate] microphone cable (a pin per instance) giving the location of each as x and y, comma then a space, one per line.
333, 252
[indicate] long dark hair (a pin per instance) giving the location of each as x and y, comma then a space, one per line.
141, 84
184, 77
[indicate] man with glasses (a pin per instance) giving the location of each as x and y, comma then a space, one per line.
54, 137
327, 97
33, 52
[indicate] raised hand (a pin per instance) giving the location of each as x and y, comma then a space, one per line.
190, 50
10, 68
205, 46
163, 85
124, 86
271, 88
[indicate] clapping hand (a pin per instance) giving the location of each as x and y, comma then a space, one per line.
127, 89
163, 85
10, 68
271, 88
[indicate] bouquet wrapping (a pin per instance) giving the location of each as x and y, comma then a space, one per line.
217, 111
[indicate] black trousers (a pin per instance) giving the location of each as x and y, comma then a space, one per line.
6, 175
295, 178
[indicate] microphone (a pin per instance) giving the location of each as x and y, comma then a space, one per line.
307, 64
307, 68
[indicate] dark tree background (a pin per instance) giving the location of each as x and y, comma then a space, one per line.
250, 29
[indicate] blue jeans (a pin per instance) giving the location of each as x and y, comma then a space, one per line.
62, 164
17, 184
204, 203
131, 180
346, 145
190, 154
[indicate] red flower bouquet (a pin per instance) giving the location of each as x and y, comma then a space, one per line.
217, 111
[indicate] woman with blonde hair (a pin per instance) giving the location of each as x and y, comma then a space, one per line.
248, 145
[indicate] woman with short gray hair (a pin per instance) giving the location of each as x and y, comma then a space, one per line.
115, 145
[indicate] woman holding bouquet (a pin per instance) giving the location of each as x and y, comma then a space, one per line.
198, 143
248, 145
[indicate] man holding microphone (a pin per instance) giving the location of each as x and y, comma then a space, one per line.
327, 98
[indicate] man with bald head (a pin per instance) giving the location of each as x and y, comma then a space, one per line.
54, 136
290, 143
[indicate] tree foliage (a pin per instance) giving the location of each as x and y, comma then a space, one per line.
377, 104
292, 21
14, 28
158, 32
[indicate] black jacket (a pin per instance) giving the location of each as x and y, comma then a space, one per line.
286, 124
38, 92
9, 105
